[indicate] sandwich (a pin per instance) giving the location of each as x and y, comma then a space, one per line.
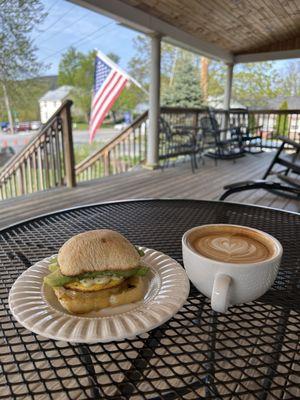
95, 270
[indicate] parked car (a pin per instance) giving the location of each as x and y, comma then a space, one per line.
22, 127
4, 126
35, 125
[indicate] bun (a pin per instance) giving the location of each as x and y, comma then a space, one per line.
77, 302
98, 250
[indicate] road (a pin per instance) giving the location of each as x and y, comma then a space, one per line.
21, 139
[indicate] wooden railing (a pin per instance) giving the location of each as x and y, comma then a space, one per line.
122, 153
274, 123
46, 162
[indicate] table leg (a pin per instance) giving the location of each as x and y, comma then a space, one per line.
141, 361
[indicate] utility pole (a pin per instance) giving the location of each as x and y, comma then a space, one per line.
8, 109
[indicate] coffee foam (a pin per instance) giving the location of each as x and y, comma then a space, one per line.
232, 245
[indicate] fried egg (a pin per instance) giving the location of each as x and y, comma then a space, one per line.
92, 285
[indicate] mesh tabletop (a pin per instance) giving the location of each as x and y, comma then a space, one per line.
251, 352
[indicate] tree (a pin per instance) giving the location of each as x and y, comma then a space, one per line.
114, 57
291, 81
68, 67
76, 69
18, 58
185, 91
282, 125
255, 83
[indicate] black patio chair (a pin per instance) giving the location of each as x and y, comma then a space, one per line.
175, 143
219, 143
289, 160
249, 132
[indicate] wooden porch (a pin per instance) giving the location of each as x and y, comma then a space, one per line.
174, 182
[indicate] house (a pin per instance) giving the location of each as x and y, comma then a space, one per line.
218, 102
51, 101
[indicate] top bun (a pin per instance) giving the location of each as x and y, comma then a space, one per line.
98, 250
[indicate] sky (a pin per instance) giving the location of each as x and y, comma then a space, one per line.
68, 24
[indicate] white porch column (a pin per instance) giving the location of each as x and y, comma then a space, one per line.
154, 103
227, 94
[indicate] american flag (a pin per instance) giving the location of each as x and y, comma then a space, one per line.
109, 81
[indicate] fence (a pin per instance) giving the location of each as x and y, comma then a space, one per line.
123, 152
46, 162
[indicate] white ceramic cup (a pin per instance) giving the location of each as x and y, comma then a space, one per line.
228, 283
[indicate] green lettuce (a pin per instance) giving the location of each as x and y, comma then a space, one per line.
56, 278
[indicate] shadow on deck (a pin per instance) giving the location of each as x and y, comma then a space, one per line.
173, 182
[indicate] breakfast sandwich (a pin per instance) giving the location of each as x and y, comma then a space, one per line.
95, 270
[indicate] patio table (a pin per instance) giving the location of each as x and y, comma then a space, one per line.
251, 352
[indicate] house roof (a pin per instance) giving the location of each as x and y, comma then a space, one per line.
292, 101
58, 94
218, 102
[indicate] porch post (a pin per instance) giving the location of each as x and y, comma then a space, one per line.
227, 98
227, 94
154, 103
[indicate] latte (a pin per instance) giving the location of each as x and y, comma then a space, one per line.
238, 246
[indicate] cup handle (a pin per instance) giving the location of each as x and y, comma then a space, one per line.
219, 297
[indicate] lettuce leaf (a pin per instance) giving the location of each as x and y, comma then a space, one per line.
56, 278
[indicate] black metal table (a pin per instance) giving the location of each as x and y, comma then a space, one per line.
252, 352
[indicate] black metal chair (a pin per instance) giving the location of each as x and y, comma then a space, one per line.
249, 133
175, 143
289, 160
219, 143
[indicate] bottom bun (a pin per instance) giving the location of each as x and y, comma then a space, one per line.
76, 302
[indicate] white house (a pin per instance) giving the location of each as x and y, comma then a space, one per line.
51, 101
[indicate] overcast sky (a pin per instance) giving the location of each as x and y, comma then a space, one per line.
68, 24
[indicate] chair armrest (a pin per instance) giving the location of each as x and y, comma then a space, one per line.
289, 141
258, 184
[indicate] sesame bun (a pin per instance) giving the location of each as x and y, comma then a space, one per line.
98, 250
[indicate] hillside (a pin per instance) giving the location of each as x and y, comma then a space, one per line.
25, 96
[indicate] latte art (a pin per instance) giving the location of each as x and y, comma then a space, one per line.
230, 247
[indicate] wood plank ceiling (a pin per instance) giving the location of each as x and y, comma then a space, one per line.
241, 26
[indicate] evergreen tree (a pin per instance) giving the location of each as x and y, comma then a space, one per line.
185, 90
282, 125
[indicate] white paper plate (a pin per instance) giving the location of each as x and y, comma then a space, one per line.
36, 307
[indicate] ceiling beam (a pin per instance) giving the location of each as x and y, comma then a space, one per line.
143, 22
266, 56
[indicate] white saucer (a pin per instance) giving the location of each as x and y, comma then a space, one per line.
35, 306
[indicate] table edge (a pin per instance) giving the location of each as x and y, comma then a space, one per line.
63, 210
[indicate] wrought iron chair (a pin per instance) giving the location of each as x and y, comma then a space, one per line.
291, 163
219, 143
175, 143
249, 132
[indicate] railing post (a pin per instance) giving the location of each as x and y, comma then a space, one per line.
68, 145
107, 164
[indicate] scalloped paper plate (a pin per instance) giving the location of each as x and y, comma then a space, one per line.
35, 306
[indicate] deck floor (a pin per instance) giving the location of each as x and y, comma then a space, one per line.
174, 182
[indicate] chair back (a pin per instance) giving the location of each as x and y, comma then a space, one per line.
165, 129
209, 125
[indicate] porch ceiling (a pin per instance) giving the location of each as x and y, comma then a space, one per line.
232, 30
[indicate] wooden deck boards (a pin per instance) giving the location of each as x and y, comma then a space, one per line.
174, 182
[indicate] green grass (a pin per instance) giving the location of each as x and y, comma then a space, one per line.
83, 150
83, 126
